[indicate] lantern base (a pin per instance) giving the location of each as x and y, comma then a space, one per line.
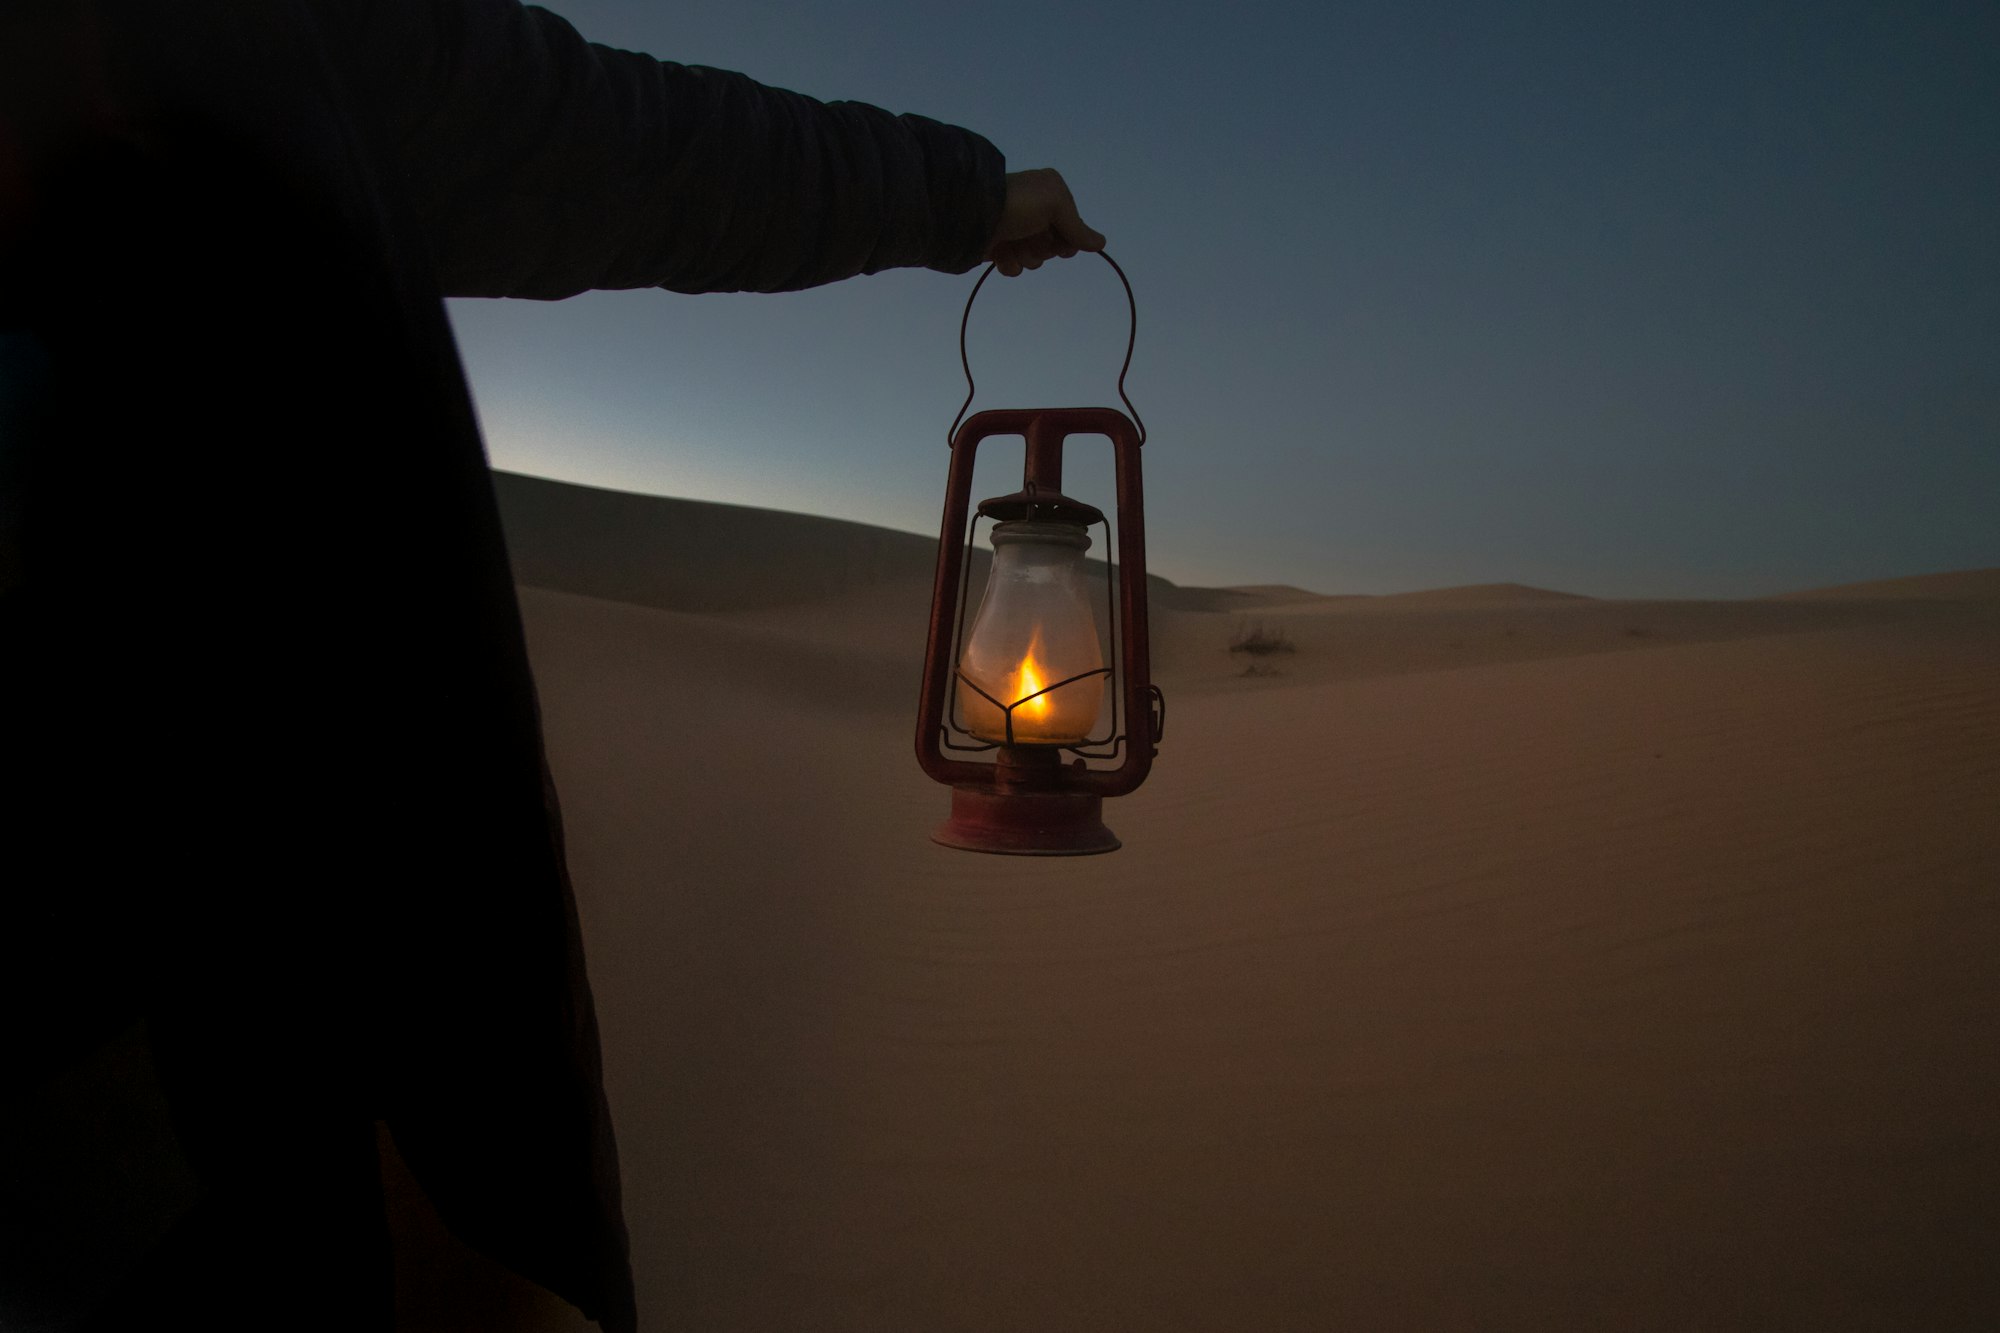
1026, 823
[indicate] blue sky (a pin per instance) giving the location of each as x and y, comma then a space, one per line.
1681, 300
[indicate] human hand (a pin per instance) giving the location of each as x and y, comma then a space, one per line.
1038, 222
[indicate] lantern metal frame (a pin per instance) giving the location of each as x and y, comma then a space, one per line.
1030, 801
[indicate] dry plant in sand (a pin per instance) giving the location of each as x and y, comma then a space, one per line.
1261, 643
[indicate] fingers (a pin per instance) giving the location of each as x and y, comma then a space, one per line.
1016, 256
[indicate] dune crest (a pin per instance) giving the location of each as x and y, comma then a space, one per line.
1957, 585
693, 555
1484, 594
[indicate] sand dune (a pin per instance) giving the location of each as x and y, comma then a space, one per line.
1483, 594
1277, 594
691, 555
1960, 585
688, 555
1359, 638
1532, 963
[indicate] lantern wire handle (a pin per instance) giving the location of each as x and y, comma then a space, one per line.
1131, 337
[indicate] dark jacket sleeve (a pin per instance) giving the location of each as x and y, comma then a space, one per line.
542, 165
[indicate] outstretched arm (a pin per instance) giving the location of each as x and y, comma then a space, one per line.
543, 165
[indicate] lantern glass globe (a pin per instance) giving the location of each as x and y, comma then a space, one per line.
1034, 633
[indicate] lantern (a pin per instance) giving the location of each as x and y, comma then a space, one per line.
1022, 695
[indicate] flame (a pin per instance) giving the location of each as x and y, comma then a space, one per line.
1030, 681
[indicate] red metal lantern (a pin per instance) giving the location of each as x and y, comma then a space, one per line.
1026, 678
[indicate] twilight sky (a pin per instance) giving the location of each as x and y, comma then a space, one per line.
1698, 299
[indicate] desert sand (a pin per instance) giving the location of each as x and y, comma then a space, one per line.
1494, 959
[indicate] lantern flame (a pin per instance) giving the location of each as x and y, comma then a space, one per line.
1030, 682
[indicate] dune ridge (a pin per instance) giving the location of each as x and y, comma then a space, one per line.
1475, 594
1957, 585
697, 555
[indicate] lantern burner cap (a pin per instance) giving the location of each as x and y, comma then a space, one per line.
1041, 532
1041, 506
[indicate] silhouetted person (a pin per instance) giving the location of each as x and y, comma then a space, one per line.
281, 857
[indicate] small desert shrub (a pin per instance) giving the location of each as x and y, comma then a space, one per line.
1258, 641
